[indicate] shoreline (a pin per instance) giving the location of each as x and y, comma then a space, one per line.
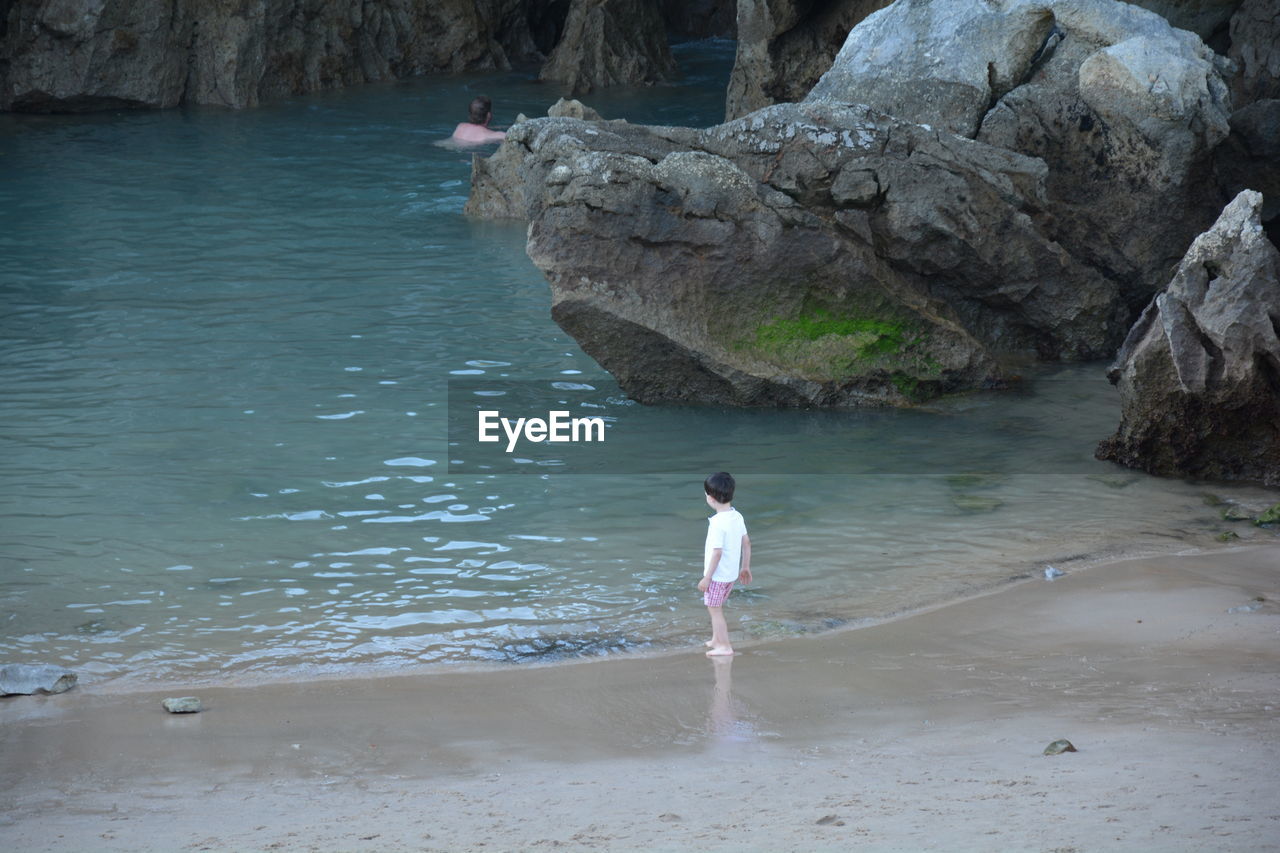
921, 732
1104, 554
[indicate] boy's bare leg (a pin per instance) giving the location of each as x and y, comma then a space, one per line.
719, 644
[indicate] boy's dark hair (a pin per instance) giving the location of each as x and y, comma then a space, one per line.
720, 486
480, 109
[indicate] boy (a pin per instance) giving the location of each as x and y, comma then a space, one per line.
726, 558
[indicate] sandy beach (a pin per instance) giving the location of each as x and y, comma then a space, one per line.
922, 733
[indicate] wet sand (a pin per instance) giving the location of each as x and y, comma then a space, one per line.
922, 733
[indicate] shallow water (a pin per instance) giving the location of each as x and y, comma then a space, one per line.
225, 354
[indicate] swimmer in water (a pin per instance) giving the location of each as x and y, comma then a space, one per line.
476, 130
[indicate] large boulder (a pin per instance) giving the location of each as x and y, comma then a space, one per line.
1199, 375
785, 46
72, 55
610, 43
1123, 108
806, 254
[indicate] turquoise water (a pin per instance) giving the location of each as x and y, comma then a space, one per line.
225, 351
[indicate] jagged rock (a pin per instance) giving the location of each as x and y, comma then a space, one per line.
22, 678
1199, 374
564, 108
610, 43
183, 705
72, 55
806, 254
1124, 109
785, 46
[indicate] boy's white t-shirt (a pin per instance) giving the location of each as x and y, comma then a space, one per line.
725, 531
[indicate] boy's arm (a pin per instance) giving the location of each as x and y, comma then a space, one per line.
712, 562
744, 573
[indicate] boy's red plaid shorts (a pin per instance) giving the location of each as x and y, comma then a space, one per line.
716, 593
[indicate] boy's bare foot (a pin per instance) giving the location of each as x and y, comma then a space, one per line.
709, 643
719, 651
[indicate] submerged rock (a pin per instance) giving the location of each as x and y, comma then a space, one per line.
1199, 374
976, 503
25, 679
183, 705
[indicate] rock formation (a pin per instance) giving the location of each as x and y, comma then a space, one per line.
70, 55
807, 254
1199, 375
610, 42
1124, 109
784, 46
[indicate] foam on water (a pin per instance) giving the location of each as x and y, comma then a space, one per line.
224, 352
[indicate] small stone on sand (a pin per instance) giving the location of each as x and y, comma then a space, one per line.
183, 705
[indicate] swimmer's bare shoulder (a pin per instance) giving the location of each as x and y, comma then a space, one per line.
474, 134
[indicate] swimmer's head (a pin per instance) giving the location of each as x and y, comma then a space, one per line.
480, 110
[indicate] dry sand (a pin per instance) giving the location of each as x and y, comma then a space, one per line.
923, 733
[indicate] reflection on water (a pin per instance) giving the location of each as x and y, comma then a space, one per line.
225, 352
725, 724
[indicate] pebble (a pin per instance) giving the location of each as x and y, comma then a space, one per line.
183, 705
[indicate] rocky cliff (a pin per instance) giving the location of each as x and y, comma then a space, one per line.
79, 55
70, 55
